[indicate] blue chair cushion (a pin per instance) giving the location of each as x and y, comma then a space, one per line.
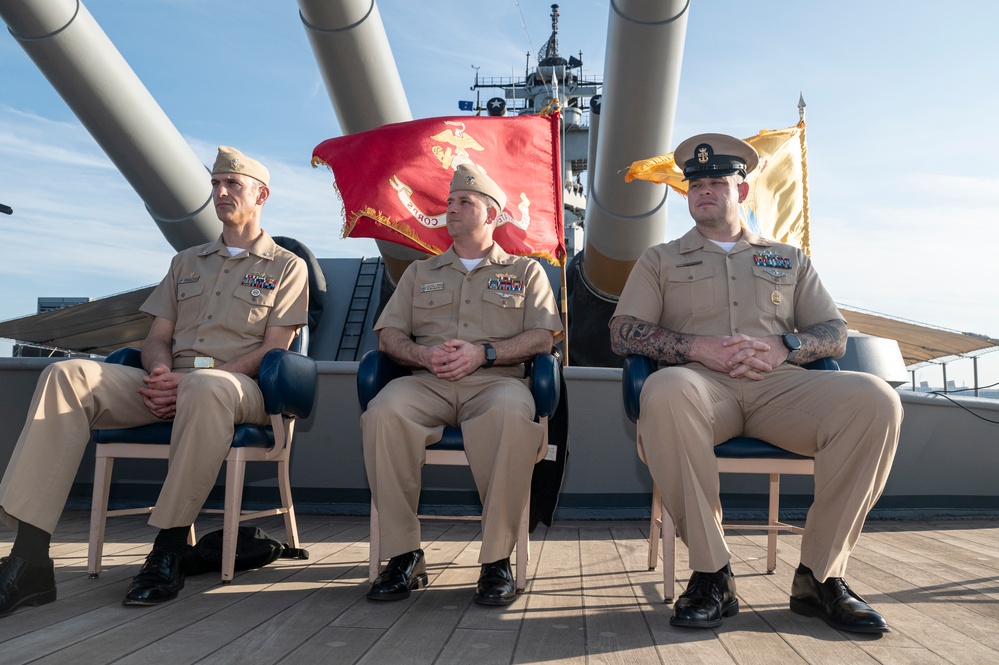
377, 369
745, 447
450, 440
245, 436
638, 368
287, 380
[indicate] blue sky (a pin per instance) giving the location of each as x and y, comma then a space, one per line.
901, 104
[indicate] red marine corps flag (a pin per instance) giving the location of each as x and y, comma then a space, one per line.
394, 180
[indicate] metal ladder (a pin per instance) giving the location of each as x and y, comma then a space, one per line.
357, 314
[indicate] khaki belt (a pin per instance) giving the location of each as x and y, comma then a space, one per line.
197, 362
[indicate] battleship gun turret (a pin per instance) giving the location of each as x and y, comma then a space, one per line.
85, 68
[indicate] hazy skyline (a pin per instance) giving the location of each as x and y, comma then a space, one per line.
898, 120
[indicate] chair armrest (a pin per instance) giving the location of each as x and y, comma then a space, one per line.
544, 376
636, 369
375, 371
822, 363
288, 381
127, 355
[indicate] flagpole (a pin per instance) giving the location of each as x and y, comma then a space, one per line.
564, 303
806, 240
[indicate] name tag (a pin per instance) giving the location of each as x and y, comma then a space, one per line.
427, 288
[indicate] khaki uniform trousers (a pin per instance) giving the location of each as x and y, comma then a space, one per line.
848, 421
74, 396
496, 414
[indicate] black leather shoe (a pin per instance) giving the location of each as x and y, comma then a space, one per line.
708, 598
160, 579
496, 586
23, 583
403, 573
834, 602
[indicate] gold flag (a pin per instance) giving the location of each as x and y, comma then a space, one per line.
777, 205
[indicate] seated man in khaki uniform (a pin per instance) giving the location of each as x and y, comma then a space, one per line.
466, 321
734, 315
218, 310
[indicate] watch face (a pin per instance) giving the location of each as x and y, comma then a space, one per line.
490, 353
791, 341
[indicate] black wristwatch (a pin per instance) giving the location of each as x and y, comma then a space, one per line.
792, 344
490, 355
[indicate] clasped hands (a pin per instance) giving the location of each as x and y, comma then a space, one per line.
454, 359
740, 355
159, 393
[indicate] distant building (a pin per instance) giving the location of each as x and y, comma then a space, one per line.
50, 304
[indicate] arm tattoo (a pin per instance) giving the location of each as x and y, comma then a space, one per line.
631, 335
823, 340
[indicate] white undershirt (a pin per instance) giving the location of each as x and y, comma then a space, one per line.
470, 263
727, 246
233, 251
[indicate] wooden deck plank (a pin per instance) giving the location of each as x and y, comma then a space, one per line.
590, 599
892, 588
479, 646
430, 616
616, 630
334, 644
117, 631
553, 628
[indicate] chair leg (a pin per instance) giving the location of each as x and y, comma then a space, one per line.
284, 485
99, 514
235, 473
373, 545
655, 527
669, 554
523, 549
773, 519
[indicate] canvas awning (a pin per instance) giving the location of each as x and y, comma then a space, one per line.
103, 325
918, 342
97, 327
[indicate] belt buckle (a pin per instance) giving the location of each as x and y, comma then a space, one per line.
204, 362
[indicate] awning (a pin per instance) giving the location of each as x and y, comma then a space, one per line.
103, 325
97, 327
918, 342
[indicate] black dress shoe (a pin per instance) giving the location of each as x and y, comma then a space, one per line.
708, 598
834, 602
495, 585
23, 583
160, 579
403, 573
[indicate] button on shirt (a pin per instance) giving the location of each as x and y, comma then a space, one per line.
221, 305
437, 300
760, 288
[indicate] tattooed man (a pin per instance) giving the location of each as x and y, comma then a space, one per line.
731, 317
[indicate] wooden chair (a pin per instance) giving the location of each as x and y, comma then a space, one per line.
377, 369
288, 382
739, 455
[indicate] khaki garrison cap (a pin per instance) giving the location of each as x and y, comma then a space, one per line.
470, 178
714, 156
231, 160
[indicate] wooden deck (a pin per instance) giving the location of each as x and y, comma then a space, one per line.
590, 600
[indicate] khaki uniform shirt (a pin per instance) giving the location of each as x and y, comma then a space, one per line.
760, 288
437, 300
222, 305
